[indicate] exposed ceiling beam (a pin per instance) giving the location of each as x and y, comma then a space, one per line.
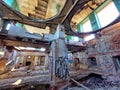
37, 16
41, 8
42, 3
40, 12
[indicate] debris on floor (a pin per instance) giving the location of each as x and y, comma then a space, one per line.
94, 82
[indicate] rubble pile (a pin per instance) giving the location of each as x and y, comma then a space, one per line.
94, 82
97, 82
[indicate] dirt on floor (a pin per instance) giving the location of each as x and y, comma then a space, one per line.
95, 82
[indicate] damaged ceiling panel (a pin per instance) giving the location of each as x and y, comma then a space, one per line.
40, 9
85, 11
73, 12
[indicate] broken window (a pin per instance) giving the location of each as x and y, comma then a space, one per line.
86, 27
28, 63
108, 14
42, 60
116, 60
28, 60
92, 61
76, 60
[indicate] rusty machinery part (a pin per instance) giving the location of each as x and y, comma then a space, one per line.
62, 68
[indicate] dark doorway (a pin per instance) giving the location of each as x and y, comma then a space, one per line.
28, 63
92, 62
116, 60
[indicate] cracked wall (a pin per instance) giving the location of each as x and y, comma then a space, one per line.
107, 46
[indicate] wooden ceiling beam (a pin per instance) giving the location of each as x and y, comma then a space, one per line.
42, 3
41, 8
44, 0
37, 16
40, 12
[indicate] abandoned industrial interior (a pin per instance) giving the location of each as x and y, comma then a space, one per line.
59, 45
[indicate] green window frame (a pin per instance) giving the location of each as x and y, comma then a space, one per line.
102, 6
93, 15
14, 5
117, 4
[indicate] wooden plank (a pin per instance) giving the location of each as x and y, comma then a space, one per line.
41, 8
37, 79
42, 3
40, 12
36, 16
63, 87
80, 84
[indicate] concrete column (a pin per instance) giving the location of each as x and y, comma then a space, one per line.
1, 23
52, 62
46, 61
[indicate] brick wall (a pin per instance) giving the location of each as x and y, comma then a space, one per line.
107, 46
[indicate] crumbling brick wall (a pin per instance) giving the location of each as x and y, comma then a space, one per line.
107, 46
82, 63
